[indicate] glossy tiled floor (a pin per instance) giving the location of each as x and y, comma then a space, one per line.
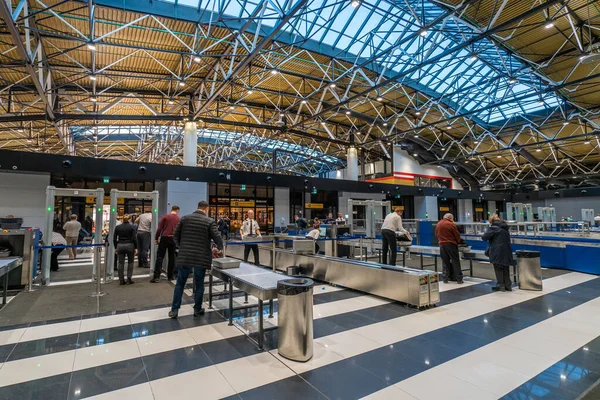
475, 345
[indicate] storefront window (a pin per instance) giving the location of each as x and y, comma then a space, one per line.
235, 200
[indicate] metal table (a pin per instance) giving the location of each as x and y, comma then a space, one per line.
7, 265
253, 280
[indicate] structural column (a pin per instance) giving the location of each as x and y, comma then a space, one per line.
426, 207
352, 164
190, 144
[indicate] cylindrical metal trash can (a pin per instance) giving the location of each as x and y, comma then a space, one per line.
295, 318
529, 270
292, 270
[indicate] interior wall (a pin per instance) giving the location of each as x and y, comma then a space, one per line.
571, 206
282, 206
426, 207
24, 196
404, 162
184, 194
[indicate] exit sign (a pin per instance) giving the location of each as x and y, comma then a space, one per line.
106, 180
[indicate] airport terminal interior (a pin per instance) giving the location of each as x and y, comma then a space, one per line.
300, 199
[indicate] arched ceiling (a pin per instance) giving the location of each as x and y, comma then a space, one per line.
496, 91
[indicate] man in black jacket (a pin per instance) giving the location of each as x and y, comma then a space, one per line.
193, 236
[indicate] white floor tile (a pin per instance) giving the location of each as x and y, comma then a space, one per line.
29, 369
94, 356
137, 392
321, 357
158, 313
382, 334
436, 385
204, 383
51, 330
390, 393
254, 371
347, 344
518, 360
94, 324
213, 332
12, 336
165, 342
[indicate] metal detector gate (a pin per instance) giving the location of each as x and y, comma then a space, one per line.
116, 194
51, 193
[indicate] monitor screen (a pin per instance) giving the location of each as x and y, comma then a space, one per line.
323, 232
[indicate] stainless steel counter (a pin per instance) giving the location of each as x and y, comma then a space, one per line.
6, 266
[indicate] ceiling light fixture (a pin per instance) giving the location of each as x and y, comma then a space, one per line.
549, 24
91, 46
385, 124
538, 149
449, 127
423, 32
197, 59
418, 112
170, 101
94, 98
303, 102
443, 149
473, 57
92, 77
250, 92
231, 107
541, 102
348, 112
416, 135
415, 155
476, 141
355, 3
273, 71
586, 141
379, 98
181, 83
512, 81
332, 85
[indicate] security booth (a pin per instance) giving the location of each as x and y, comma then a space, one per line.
95, 195
115, 195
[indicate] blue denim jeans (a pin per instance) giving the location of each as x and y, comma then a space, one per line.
182, 276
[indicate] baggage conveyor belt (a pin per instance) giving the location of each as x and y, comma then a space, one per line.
419, 288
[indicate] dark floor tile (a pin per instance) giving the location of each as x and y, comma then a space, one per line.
390, 365
350, 320
458, 341
344, 380
106, 378
504, 321
156, 327
104, 336
189, 321
534, 391
426, 351
323, 327
482, 329
175, 362
229, 349
566, 376
51, 388
293, 388
326, 297
56, 321
585, 359
386, 312
5, 351
11, 327
41, 347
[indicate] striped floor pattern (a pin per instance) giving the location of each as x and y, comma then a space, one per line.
475, 345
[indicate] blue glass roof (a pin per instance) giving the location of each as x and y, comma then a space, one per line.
477, 77
298, 154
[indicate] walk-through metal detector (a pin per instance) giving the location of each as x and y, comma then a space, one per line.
51, 193
116, 194
375, 212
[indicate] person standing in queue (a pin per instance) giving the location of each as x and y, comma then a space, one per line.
340, 220
223, 226
250, 229
144, 236
57, 240
391, 224
330, 220
193, 236
125, 241
72, 229
301, 223
166, 228
449, 239
499, 252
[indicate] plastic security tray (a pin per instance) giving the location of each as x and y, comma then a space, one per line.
226, 263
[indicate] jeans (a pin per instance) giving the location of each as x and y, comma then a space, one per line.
125, 249
225, 234
254, 248
388, 242
503, 275
144, 245
182, 276
167, 243
451, 262
72, 241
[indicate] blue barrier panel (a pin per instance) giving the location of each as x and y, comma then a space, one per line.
425, 233
583, 259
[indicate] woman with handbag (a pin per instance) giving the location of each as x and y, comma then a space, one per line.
499, 252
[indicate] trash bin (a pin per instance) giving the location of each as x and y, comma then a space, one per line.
529, 270
292, 270
295, 318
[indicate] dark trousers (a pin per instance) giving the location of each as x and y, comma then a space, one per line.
317, 248
388, 240
503, 275
125, 249
451, 262
143, 247
165, 244
182, 275
254, 248
225, 234
54, 259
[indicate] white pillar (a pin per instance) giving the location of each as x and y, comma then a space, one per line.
352, 164
190, 144
465, 210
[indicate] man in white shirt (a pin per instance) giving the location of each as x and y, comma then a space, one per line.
250, 229
597, 220
340, 219
72, 229
391, 224
144, 236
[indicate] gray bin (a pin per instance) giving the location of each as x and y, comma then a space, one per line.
529, 270
292, 270
295, 318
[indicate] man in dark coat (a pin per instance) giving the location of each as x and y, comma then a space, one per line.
193, 236
499, 252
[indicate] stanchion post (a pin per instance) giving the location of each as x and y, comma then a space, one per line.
98, 293
273, 255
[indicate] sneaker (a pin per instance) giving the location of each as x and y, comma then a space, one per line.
130, 282
460, 282
173, 314
122, 283
153, 280
445, 280
199, 313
